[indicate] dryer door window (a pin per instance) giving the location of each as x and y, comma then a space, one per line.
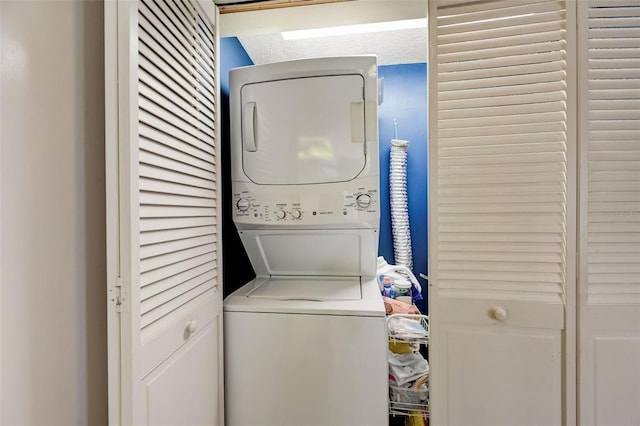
303, 130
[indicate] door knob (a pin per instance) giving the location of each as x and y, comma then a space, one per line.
498, 313
192, 326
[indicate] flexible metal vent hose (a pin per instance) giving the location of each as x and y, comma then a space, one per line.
399, 203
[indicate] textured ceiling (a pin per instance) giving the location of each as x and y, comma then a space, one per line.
391, 47
259, 32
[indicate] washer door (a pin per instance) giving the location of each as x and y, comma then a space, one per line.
303, 130
309, 288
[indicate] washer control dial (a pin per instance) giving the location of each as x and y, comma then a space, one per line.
243, 204
297, 214
363, 201
281, 214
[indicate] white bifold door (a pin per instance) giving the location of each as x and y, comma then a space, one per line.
165, 330
535, 212
609, 285
501, 150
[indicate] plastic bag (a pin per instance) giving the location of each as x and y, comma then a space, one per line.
401, 327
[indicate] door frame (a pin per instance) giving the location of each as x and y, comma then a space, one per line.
120, 28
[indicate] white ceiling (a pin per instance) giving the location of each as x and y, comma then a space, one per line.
259, 31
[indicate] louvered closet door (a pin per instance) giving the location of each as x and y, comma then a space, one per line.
162, 165
609, 321
500, 161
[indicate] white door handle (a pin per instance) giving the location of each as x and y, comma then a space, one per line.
249, 118
357, 121
192, 326
498, 313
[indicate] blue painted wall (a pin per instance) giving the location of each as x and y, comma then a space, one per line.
232, 55
405, 99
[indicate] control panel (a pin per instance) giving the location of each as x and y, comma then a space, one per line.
313, 206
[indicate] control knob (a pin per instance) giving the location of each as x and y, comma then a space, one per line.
242, 204
363, 201
281, 214
297, 214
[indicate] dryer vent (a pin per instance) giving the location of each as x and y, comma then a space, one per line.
399, 203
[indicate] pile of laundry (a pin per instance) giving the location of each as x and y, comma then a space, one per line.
408, 369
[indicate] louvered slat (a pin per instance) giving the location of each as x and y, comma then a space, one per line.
506, 218
158, 249
158, 287
160, 296
150, 134
173, 117
156, 100
490, 13
176, 166
177, 162
152, 147
168, 128
164, 307
502, 155
175, 234
156, 173
165, 274
152, 185
151, 211
156, 224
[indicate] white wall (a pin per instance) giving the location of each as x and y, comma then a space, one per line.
52, 222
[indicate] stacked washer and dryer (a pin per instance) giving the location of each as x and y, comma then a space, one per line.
305, 341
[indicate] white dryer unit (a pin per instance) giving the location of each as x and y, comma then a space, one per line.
305, 340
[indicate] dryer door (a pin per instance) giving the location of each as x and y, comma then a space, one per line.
303, 130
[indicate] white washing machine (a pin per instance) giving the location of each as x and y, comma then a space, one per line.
305, 341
